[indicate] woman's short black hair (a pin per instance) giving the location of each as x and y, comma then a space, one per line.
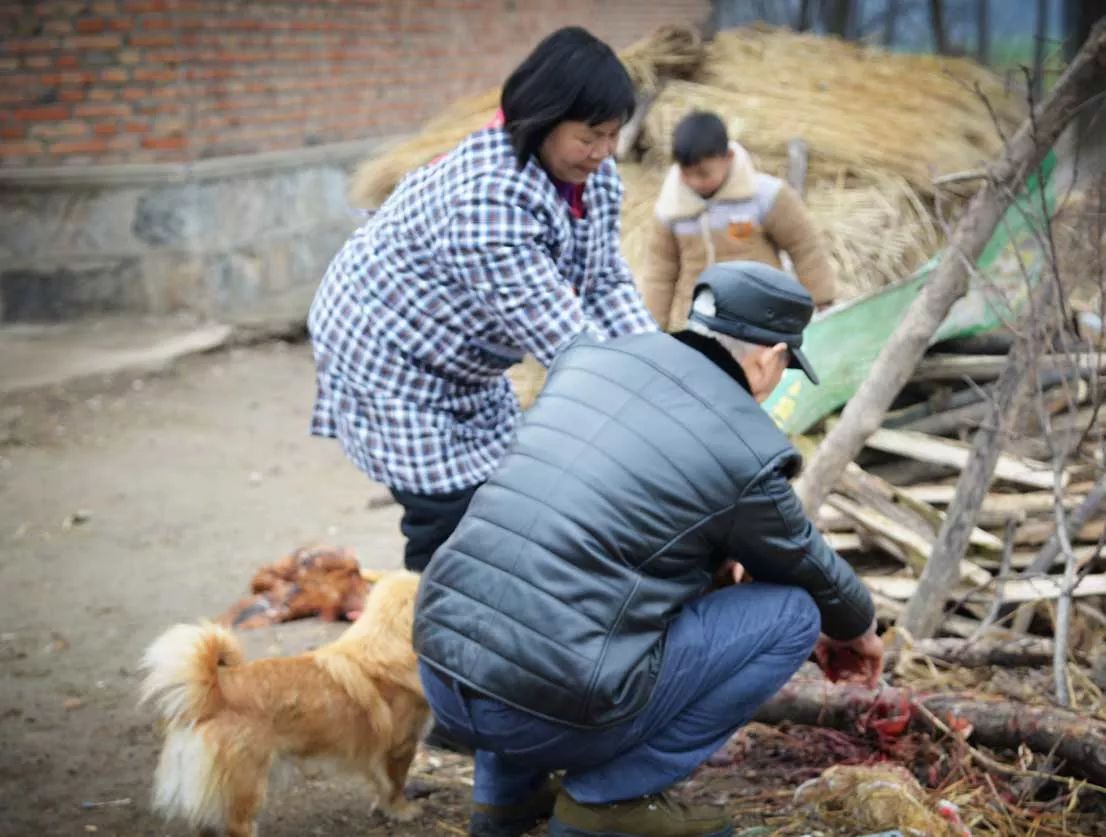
571, 75
699, 136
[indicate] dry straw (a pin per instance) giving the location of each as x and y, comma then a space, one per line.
879, 127
672, 52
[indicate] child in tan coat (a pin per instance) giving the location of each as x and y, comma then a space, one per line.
715, 207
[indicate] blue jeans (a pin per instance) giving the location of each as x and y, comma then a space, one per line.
725, 654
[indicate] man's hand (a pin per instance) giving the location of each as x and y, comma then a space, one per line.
730, 572
857, 660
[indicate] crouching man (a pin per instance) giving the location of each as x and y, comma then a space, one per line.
570, 622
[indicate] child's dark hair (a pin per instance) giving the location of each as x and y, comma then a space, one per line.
699, 136
571, 75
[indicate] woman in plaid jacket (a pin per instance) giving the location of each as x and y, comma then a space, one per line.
507, 245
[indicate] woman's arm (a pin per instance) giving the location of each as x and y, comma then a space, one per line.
494, 248
612, 300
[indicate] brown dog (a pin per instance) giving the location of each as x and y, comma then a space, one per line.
356, 702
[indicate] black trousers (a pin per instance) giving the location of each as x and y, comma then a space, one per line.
428, 520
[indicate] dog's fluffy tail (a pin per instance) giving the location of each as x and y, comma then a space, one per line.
182, 671
182, 679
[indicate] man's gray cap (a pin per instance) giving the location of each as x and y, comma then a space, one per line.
759, 304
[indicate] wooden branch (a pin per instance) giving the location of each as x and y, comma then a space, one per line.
844, 541
1048, 554
994, 722
941, 401
989, 367
1079, 420
1019, 651
900, 355
1029, 502
949, 414
910, 471
1022, 558
1019, 590
947, 422
998, 342
1040, 36
1043, 531
1063, 611
1005, 562
889, 610
1076, 520
913, 547
830, 519
987, 461
882, 510
956, 454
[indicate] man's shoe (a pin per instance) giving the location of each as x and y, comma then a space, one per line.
513, 820
657, 815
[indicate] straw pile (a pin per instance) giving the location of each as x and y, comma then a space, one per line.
862, 111
672, 52
878, 126
875, 232
376, 177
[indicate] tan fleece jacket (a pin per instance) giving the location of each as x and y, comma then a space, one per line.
752, 217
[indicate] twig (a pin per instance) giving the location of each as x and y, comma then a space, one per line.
1000, 580
1075, 521
1063, 536
1063, 608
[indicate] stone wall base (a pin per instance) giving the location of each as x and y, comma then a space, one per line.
242, 239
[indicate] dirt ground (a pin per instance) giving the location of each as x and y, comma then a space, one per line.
189, 482
131, 503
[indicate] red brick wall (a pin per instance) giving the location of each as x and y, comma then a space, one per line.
110, 81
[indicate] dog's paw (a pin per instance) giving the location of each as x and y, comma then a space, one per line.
403, 810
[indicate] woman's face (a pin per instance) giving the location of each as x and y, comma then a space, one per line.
574, 150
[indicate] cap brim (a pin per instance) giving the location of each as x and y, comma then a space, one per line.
799, 361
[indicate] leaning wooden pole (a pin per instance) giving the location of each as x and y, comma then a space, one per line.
1084, 78
926, 608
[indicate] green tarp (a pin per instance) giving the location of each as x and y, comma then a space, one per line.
844, 342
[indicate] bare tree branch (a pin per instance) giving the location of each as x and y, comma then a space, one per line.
900, 355
1000, 579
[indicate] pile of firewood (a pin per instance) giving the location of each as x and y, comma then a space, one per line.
886, 509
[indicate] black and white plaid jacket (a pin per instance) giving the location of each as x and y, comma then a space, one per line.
469, 265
